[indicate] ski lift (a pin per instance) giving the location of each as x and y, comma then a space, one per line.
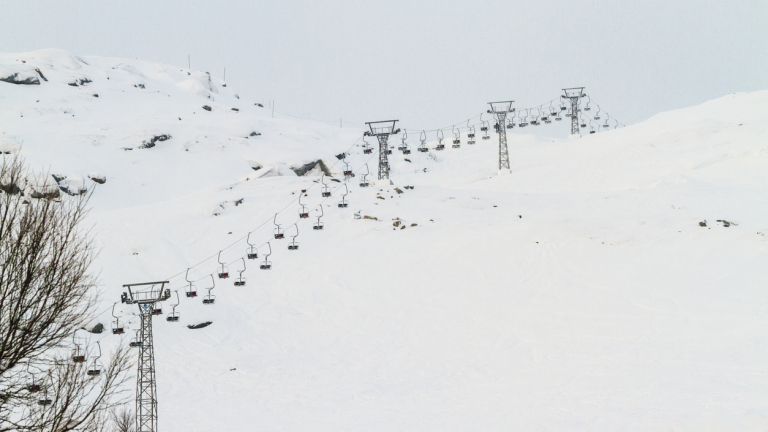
278, 231
456, 138
157, 310
616, 123
326, 190
45, 400
267, 265
224, 270
524, 121
294, 245
587, 108
174, 316
319, 225
597, 114
583, 123
210, 299
303, 212
32, 386
367, 149
363, 181
607, 117
240, 279
77, 355
423, 148
470, 134
404, 148
191, 289
591, 128
117, 329
402, 142
483, 126
95, 369
535, 121
440, 136
343, 203
347, 172
562, 106
135, 342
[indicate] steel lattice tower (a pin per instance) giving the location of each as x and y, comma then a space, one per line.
146, 386
382, 130
573, 95
500, 110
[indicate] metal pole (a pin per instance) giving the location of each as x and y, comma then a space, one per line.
575, 116
146, 388
383, 162
502, 131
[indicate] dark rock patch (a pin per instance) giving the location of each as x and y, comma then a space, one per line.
80, 82
207, 108
41, 74
14, 79
302, 170
155, 139
199, 326
10, 188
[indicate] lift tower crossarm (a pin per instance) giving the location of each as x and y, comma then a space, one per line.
500, 110
382, 130
146, 387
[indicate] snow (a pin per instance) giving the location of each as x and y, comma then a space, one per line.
577, 292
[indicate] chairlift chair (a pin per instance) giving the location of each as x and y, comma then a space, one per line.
456, 138
343, 203
277, 230
484, 125
523, 120
294, 245
95, 368
267, 265
224, 270
32, 386
303, 211
363, 181
191, 290
174, 316
77, 355
319, 225
210, 299
367, 149
117, 329
402, 142
252, 252
597, 114
591, 128
326, 190
470, 134
404, 147
240, 281
347, 172
587, 108
135, 342
423, 138
440, 136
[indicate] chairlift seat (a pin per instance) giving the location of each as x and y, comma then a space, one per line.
389, 152
368, 151
485, 137
78, 359
406, 151
318, 226
172, 318
343, 205
326, 194
591, 131
209, 301
471, 142
94, 372
33, 388
279, 236
364, 184
301, 216
484, 128
587, 109
194, 293
118, 331
440, 147
44, 402
158, 312
250, 256
423, 150
265, 266
583, 125
134, 344
293, 247
558, 118
563, 108
348, 173
597, 117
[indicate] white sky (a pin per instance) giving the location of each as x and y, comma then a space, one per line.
429, 63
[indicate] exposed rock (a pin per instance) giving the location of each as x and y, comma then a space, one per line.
41, 74
207, 108
398, 190
10, 188
100, 179
16, 78
341, 156
302, 170
199, 326
259, 105
80, 82
255, 134
49, 192
235, 109
141, 86
155, 139
371, 217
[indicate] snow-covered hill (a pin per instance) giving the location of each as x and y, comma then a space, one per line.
578, 293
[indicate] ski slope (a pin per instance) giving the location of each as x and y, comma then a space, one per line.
577, 293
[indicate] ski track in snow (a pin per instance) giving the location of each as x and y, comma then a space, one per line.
604, 307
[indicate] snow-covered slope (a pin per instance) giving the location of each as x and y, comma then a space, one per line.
577, 293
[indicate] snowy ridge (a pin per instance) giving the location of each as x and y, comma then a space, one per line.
579, 292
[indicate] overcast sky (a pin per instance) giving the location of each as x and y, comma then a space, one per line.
429, 63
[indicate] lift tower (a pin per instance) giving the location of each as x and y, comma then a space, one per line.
147, 296
500, 110
573, 95
382, 130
